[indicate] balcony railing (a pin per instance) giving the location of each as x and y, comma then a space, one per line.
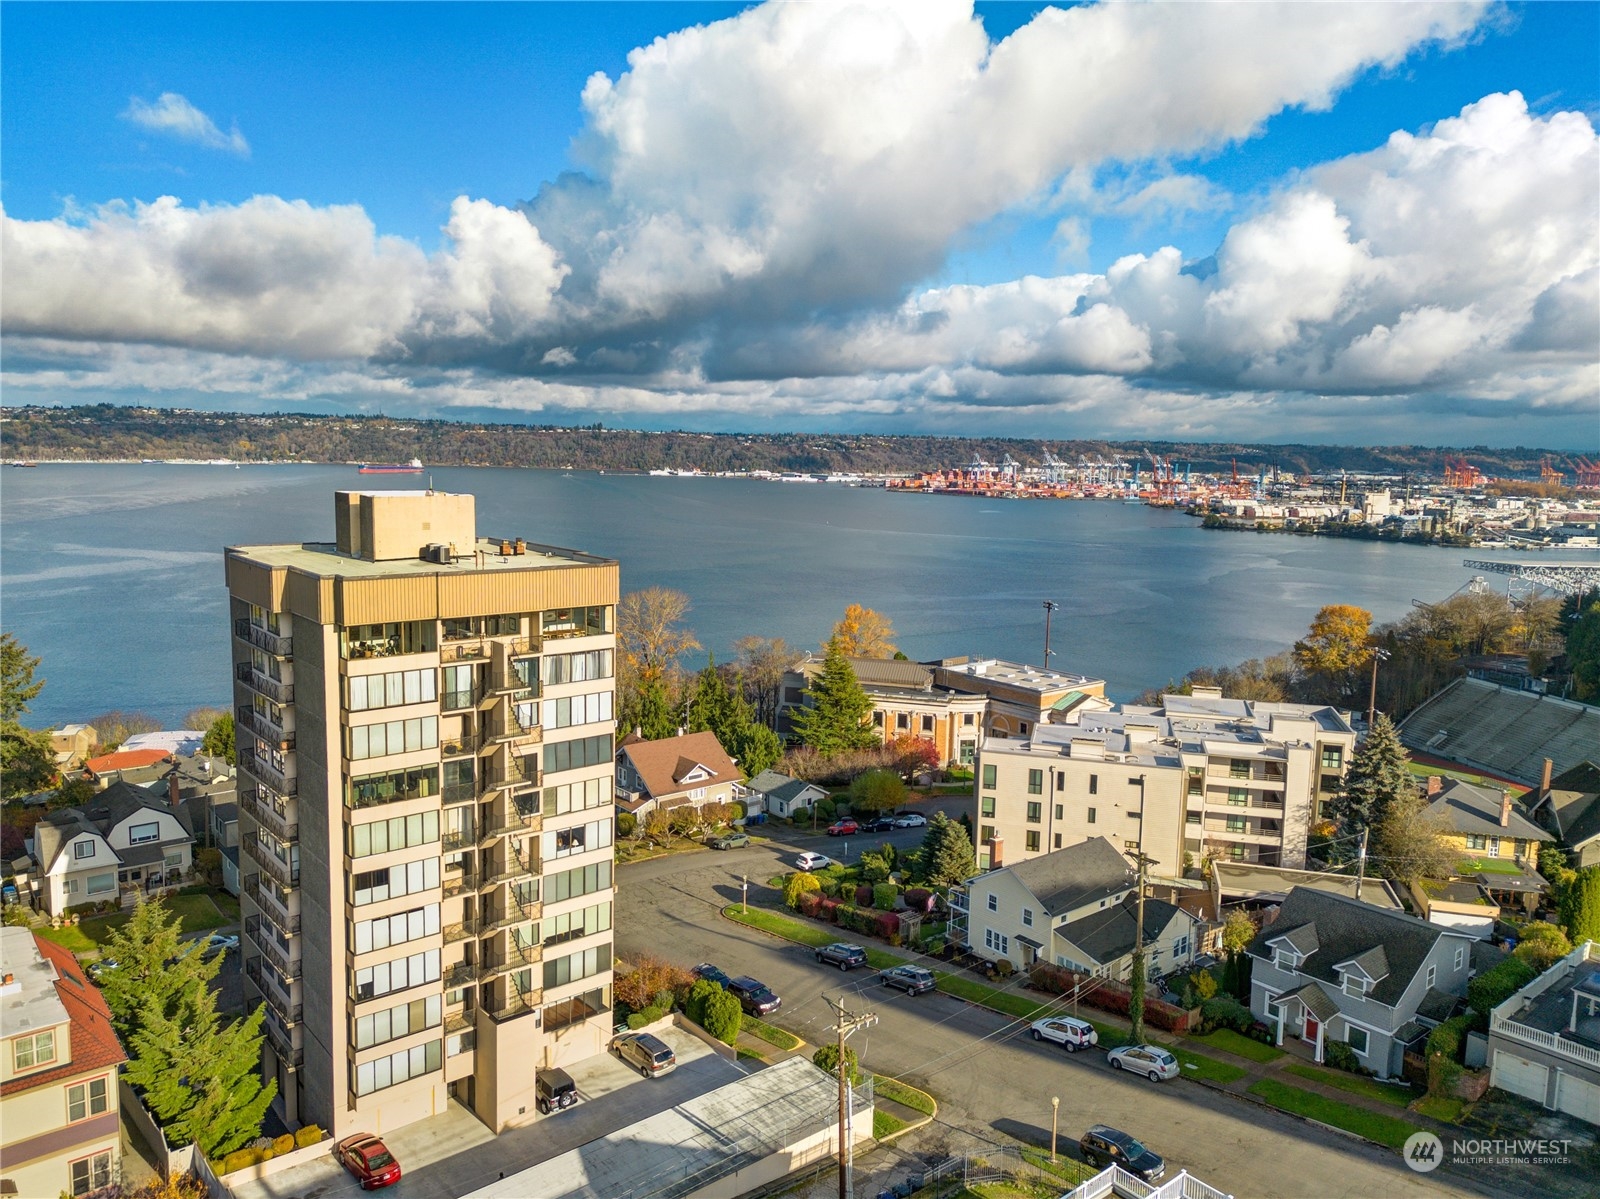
458, 839
522, 772
459, 975
511, 871
469, 649
458, 1022
459, 746
273, 900
276, 644
510, 915
288, 1011
460, 930
460, 792
513, 1005
459, 701
282, 873
269, 772
458, 881
272, 688
264, 936
261, 728
513, 957
268, 815
282, 1044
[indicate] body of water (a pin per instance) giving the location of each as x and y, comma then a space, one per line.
113, 574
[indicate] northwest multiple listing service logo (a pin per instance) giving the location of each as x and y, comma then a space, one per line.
1425, 1152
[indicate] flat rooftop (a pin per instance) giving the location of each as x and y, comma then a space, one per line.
1018, 674
29, 1000
324, 559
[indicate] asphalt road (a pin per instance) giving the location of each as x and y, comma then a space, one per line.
992, 1081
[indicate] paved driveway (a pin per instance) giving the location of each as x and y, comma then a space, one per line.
992, 1081
452, 1154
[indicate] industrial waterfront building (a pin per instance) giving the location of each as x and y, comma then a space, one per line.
425, 745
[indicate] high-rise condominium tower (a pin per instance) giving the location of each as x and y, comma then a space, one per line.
425, 755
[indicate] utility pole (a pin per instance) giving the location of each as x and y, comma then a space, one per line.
847, 1024
1050, 607
1361, 862
1138, 931
744, 894
1378, 655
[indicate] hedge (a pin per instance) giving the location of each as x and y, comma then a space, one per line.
1498, 984
308, 1136
1112, 997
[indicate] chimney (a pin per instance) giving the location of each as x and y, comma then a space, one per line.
1435, 785
1505, 808
1544, 779
997, 846
173, 795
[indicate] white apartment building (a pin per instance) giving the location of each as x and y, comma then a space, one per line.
425, 747
1203, 776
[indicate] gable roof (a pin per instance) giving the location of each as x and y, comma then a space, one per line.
120, 801
126, 759
1346, 930
1302, 939
1068, 878
1574, 802
1466, 808
108, 809
1373, 964
94, 1041
1317, 1001
1108, 935
664, 766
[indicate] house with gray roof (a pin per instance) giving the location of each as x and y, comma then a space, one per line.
782, 796
1570, 808
1544, 1041
124, 841
1331, 968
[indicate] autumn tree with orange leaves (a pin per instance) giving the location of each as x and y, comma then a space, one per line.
863, 633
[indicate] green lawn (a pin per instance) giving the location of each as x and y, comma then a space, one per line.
885, 1125
1355, 1084
197, 913
771, 1034
1240, 1045
970, 989
1386, 1130
1446, 1108
1198, 1065
1487, 866
805, 932
904, 1094
1067, 1169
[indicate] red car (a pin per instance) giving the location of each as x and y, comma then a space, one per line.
843, 828
365, 1156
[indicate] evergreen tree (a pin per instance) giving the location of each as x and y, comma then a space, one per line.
653, 715
156, 973
946, 854
724, 711
218, 740
1580, 906
27, 759
1376, 778
834, 718
756, 748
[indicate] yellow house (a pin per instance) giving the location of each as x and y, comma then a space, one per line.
1493, 832
59, 1119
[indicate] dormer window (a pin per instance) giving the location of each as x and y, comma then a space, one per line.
83, 849
1285, 958
1355, 986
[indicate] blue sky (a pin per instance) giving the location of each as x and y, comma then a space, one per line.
885, 216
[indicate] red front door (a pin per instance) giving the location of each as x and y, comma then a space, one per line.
1311, 1029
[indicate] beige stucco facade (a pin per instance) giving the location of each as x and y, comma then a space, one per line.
426, 758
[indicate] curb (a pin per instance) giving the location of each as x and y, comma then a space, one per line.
915, 1124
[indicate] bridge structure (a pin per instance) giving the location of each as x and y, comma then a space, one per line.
1565, 578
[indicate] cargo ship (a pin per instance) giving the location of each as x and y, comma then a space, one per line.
414, 467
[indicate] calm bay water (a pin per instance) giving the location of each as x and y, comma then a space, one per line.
113, 574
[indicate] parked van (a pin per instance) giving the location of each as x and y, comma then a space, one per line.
649, 1055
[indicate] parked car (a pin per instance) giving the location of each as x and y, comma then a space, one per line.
369, 1160
729, 841
754, 996
219, 943
103, 966
554, 1091
879, 824
843, 828
1154, 1062
846, 957
1065, 1030
649, 1055
913, 980
711, 973
1104, 1146
813, 861
910, 820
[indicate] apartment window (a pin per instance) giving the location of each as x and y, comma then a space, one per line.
986, 806
578, 965
1058, 841
1061, 784
985, 834
1239, 768
396, 1022
87, 1099
1094, 784
1192, 817
572, 755
82, 849
575, 622
994, 902
1090, 815
374, 886
1035, 813
395, 688
1461, 956
1358, 1039
563, 843
393, 737
1035, 782
1197, 780
90, 1173
877, 720
1022, 727
402, 832
37, 1050
902, 721
396, 1068
1236, 852
1332, 757
460, 688
1476, 840
577, 709
386, 640
570, 926
989, 776
1032, 841
571, 883
927, 724
1236, 824
577, 668
1058, 811
139, 834
1330, 782
1131, 846
1238, 796
399, 975
576, 797
397, 929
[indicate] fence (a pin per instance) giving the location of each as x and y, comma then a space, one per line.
168, 1160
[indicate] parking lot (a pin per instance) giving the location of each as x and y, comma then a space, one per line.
452, 1154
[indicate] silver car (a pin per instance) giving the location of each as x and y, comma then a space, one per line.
1154, 1062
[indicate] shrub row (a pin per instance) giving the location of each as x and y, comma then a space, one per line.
869, 923
1111, 997
254, 1155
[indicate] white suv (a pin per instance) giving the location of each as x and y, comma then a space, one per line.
1065, 1030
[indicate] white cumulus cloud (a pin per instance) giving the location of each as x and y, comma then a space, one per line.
173, 115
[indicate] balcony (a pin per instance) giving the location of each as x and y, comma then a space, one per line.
282, 1043
466, 649
459, 975
264, 936
510, 915
282, 873
520, 773
460, 930
457, 1022
458, 839
508, 872
458, 881
272, 773
269, 816
459, 746
513, 957
262, 728
278, 1000
513, 1005
459, 701
276, 644
273, 901
459, 792
273, 689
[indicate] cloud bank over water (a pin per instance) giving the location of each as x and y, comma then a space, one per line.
764, 203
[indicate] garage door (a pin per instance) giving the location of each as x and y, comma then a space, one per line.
1578, 1098
1518, 1075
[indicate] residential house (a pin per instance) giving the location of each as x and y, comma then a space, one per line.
1498, 840
1544, 1041
1203, 776
60, 1128
782, 796
1331, 968
1076, 908
128, 766
73, 745
691, 768
199, 783
1459, 903
1570, 808
127, 839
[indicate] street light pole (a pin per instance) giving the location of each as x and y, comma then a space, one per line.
1050, 607
1055, 1113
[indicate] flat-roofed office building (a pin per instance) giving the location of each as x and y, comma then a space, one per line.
425, 745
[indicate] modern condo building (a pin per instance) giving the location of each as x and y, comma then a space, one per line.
425, 752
